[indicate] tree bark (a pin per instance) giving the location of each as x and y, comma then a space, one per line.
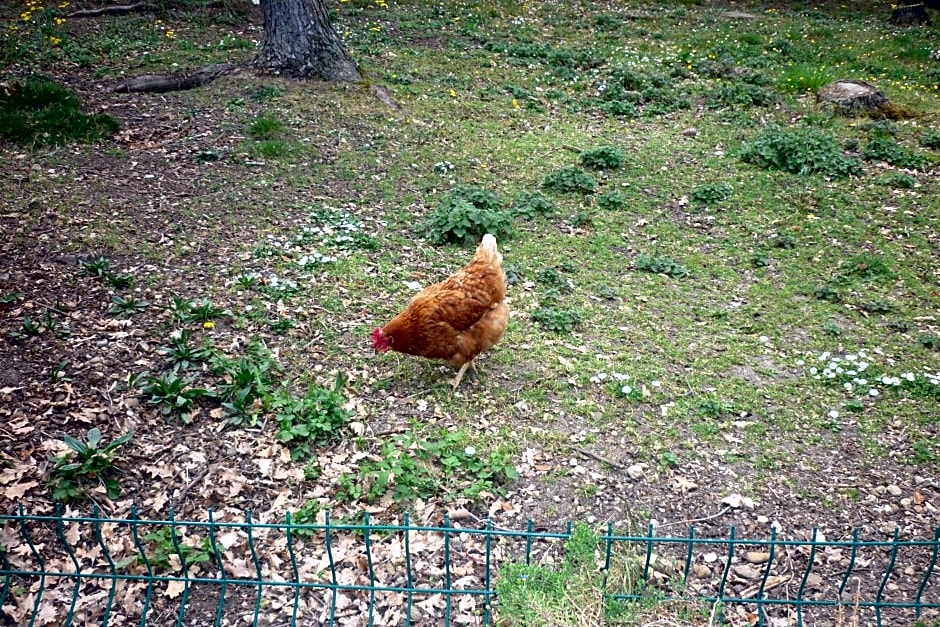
300, 42
911, 14
177, 81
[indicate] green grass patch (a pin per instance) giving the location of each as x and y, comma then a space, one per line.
39, 111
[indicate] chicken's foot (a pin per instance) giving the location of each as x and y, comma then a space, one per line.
456, 381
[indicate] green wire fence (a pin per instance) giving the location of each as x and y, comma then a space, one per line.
234, 570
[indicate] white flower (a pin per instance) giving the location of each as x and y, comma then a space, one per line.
862, 365
469, 451
763, 339
873, 392
848, 386
813, 370
833, 414
824, 356
909, 376
656, 384
626, 389
800, 362
851, 357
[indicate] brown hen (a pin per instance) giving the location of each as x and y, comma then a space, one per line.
456, 319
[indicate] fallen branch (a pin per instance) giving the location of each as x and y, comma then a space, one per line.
597, 457
769, 584
121, 9
177, 81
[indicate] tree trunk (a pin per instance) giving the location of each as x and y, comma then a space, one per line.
300, 41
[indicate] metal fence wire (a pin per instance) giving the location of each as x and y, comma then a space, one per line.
233, 570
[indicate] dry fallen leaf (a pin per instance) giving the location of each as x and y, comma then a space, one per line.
174, 589
683, 485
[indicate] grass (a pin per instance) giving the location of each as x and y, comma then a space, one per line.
712, 263
39, 111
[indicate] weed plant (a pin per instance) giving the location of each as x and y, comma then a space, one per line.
87, 465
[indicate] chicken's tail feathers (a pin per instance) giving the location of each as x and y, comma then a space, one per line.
488, 250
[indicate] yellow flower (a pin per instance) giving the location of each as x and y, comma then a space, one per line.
515, 103
208, 324
170, 34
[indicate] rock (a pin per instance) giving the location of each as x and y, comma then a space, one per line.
894, 490
737, 501
635, 471
690, 132
814, 580
701, 571
757, 557
746, 572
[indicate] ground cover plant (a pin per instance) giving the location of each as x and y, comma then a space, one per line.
700, 262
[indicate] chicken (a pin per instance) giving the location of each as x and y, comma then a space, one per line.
454, 320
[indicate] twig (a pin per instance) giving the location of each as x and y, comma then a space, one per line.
422, 392
382, 434
51, 308
597, 457
712, 616
696, 520
199, 477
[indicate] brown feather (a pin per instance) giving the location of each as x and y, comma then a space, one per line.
458, 318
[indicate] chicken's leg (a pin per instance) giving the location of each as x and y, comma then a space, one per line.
460, 374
